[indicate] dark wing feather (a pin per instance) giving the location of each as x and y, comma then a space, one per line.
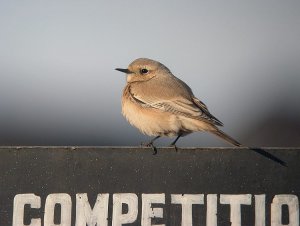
203, 108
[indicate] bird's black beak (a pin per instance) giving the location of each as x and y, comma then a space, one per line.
124, 70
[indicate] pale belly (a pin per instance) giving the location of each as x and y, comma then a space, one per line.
155, 122
150, 121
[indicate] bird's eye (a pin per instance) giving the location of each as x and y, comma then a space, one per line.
144, 71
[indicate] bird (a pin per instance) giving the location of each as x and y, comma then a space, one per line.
159, 104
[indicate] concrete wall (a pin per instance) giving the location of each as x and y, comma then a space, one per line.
131, 186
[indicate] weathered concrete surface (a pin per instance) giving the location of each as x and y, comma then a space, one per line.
94, 170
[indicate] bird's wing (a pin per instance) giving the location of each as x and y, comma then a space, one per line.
179, 104
204, 108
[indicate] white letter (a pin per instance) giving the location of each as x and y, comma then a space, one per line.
20, 201
132, 201
86, 216
66, 206
149, 212
260, 210
276, 211
235, 202
186, 202
211, 212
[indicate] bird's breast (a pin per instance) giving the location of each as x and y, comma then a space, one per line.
150, 121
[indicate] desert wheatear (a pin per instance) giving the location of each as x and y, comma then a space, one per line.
160, 104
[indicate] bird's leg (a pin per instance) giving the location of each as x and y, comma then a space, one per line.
150, 144
173, 144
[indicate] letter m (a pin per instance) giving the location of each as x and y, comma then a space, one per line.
86, 216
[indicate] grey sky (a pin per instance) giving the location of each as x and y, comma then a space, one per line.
57, 58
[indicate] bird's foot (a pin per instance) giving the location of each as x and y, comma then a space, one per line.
150, 144
174, 146
146, 144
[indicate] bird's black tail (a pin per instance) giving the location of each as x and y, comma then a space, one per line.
260, 151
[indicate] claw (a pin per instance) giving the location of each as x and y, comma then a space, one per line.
150, 144
173, 146
154, 150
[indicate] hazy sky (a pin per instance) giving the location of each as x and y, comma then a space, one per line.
58, 85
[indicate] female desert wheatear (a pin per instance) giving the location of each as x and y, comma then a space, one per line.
160, 104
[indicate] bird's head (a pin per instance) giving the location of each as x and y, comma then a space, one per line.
143, 69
